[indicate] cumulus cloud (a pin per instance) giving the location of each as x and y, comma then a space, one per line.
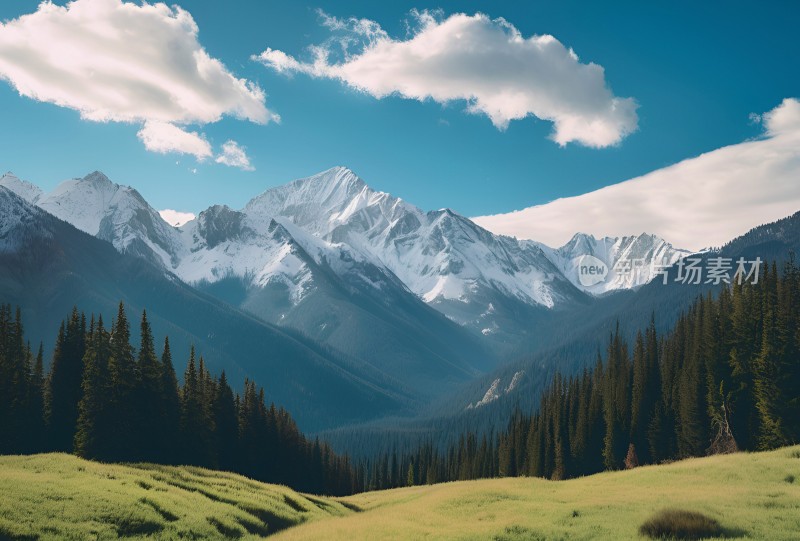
119, 61
234, 156
163, 137
175, 217
700, 202
486, 62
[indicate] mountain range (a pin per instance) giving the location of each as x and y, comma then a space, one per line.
400, 306
283, 242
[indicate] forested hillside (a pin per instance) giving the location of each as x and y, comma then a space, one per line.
106, 400
726, 378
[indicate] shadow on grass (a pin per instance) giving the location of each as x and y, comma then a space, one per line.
8, 536
271, 522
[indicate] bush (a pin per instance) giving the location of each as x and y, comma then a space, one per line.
679, 524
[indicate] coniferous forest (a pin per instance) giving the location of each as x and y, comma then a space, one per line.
105, 400
726, 378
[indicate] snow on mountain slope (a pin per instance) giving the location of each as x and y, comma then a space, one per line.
222, 243
631, 261
440, 256
335, 223
495, 390
14, 213
26, 190
117, 214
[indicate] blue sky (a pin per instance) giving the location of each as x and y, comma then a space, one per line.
695, 71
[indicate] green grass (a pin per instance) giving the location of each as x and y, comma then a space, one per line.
58, 496
750, 496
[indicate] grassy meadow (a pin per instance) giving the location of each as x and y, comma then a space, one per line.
60, 497
752, 496
57, 496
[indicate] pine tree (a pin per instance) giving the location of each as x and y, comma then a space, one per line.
616, 401
64, 383
36, 426
148, 397
226, 425
123, 380
170, 401
95, 427
767, 370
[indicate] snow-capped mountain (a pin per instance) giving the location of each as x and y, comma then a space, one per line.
117, 214
26, 190
630, 261
477, 279
47, 266
332, 232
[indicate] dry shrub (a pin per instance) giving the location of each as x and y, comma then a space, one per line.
680, 524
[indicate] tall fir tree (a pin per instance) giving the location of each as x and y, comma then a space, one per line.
64, 383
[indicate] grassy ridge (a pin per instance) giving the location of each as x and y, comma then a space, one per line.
755, 496
59, 496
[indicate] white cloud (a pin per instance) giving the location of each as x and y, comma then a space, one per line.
175, 217
234, 155
486, 62
699, 202
163, 137
125, 62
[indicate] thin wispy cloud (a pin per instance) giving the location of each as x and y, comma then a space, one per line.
700, 202
140, 63
235, 156
163, 137
485, 62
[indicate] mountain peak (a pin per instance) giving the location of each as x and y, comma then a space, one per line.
29, 192
328, 194
96, 177
339, 176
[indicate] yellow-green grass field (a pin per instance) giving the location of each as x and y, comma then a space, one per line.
57, 496
753, 496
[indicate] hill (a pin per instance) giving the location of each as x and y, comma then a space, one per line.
752, 495
59, 496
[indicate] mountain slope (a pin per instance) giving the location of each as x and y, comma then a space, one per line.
114, 213
47, 266
487, 283
570, 340
331, 241
26, 190
324, 290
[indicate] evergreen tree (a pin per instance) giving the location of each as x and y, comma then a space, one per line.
148, 399
170, 401
226, 425
95, 427
65, 381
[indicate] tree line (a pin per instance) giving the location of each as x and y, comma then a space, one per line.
726, 378
105, 400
